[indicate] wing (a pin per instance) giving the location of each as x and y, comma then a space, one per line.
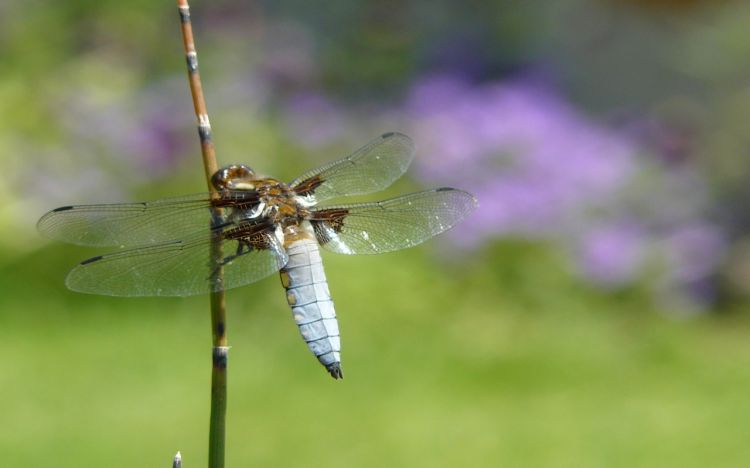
181, 268
398, 223
370, 169
133, 224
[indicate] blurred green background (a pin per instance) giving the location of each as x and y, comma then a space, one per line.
592, 312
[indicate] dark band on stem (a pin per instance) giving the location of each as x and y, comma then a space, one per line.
219, 357
184, 14
204, 129
192, 62
204, 133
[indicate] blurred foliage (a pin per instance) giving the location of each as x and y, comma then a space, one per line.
480, 368
501, 351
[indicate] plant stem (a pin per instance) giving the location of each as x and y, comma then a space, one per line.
218, 305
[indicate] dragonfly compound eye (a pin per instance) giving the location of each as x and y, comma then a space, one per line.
232, 176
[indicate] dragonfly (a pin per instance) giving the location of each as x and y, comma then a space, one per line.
252, 227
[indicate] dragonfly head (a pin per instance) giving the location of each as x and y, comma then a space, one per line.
234, 177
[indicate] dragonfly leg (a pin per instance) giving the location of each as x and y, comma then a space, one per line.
243, 247
241, 244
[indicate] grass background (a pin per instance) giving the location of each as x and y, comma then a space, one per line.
445, 365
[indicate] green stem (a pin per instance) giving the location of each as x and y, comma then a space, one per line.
218, 407
217, 430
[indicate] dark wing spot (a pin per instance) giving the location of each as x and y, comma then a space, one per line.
308, 186
388, 135
62, 208
444, 189
92, 260
334, 217
256, 236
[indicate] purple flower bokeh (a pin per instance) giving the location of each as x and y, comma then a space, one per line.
695, 250
541, 169
613, 254
147, 135
530, 158
313, 119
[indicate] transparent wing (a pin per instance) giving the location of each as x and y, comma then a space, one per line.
370, 169
179, 268
398, 223
133, 224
